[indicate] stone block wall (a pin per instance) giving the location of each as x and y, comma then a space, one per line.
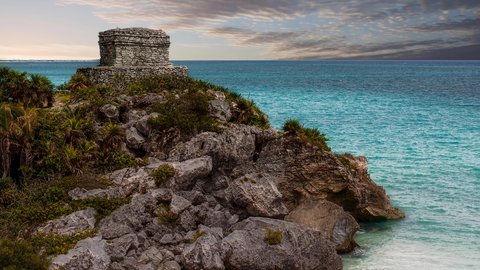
133, 47
132, 54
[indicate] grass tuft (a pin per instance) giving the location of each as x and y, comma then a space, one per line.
311, 135
273, 237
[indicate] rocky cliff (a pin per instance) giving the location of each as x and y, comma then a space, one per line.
240, 195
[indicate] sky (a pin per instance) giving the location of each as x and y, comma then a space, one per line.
248, 29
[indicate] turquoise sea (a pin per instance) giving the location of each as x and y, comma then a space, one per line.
418, 122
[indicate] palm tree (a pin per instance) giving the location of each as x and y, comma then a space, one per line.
113, 136
27, 124
9, 129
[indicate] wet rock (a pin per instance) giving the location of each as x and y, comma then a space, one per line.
329, 219
71, 224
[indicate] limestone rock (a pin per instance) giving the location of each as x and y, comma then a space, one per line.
206, 251
329, 219
219, 107
246, 247
258, 194
304, 172
134, 139
152, 255
88, 254
178, 204
170, 265
109, 111
71, 224
188, 171
108, 193
128, 218
118, 248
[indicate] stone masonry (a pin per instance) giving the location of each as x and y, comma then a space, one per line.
132, 53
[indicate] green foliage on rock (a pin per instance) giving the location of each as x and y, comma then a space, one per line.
187, 111
55, 244
311, 135
165, 216
162, 174
20, 255
273, 237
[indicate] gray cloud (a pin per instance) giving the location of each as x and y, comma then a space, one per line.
465, 24
306, 29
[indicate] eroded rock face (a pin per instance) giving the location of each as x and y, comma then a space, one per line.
71, 224
330, 220
247, 248
305, 172
258, 194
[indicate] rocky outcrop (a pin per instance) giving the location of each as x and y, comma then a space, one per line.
247, 248
330, 220
242, 198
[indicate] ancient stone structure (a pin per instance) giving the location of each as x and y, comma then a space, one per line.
132, 53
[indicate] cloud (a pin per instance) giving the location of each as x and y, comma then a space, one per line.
462, 25
305, 29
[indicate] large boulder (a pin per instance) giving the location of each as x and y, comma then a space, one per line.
329, 219
250, 246
71, 224
129, 218
258, 194
90, 253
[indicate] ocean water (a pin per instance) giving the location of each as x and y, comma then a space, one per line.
418, 122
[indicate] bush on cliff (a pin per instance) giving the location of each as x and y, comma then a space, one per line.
188, 112
311, 135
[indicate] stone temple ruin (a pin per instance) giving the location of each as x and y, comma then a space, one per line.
132, 53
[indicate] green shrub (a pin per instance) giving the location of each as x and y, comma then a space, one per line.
162, 174
165, 216
292, 126
20, 255
198, 234
273, 237
78, 81
55, 244
311, 135
103, 206
188, 112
